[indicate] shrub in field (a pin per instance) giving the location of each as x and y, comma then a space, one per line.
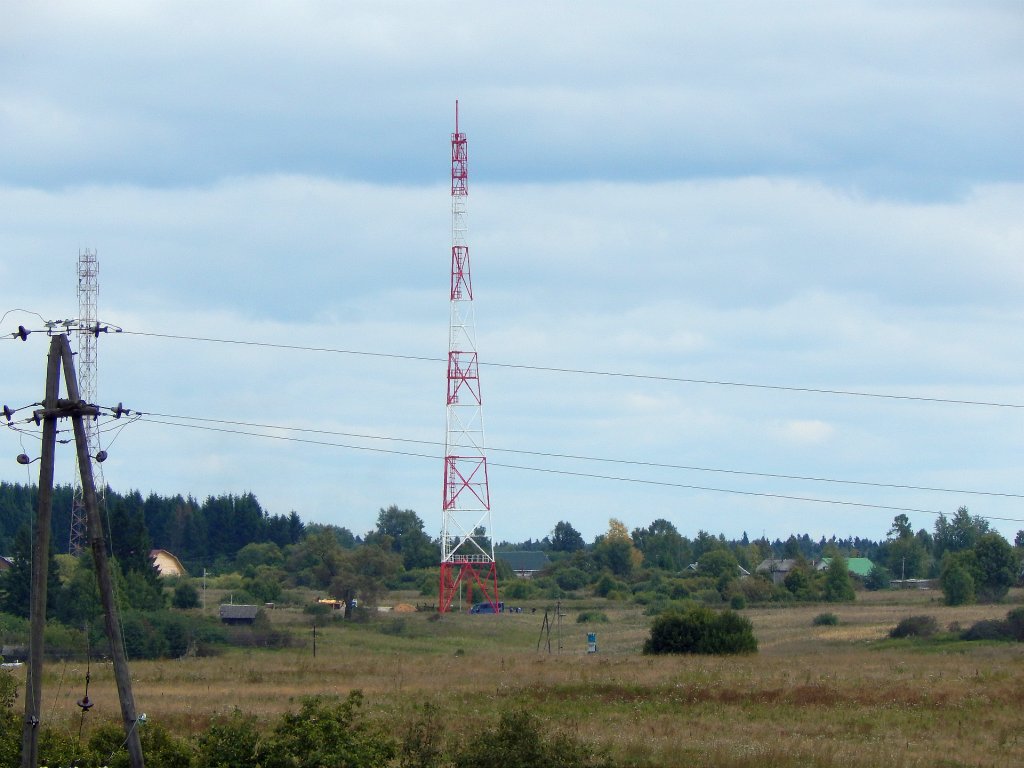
421, 745
647, 598
185, 596
58, 747
757, 589
825, 620
1010, 628
159, 746
915, 626
987, 629
708, 596
10, 738
957, 585
608, 584
737, 602
519, 741
592, 617
10, 723
838, 588
520, 589
1015, 619
572, 578
877, 578
701, 630
325, 732
230, 741
996, 567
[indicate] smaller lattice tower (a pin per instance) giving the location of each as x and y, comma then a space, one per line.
467, 544
88, 332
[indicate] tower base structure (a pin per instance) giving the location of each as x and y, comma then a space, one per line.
480, 578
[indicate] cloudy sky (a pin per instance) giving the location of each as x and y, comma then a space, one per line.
792, 197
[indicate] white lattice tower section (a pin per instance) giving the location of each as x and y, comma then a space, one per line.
467, 543
88, 296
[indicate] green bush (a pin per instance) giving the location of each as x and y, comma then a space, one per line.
159, 746
229, 741
878, 578
1015, 620
572, 578
10, 737
326, 732
520, 589
825, 620
186, 596
607, 584
758, 589
10, 723
701, 630
708, 596
915, 626
837, 586
646, 598
518, 741
592, 617
957, 585
987, 629
1010, 628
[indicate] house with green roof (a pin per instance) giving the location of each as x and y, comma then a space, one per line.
858, 566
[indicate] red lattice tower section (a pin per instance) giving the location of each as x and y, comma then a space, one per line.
467, 546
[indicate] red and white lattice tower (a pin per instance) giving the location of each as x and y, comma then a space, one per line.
467, 545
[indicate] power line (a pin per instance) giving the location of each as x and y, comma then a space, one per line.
606, 460
588, 475
593, 372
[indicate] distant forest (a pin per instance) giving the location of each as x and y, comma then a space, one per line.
212, 532
197, 533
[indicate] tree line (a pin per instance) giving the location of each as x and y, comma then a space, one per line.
199, 534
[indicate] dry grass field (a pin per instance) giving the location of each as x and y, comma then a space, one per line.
839, 695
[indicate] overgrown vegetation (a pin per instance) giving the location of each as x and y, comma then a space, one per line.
1011, 628
701, 630
915, 626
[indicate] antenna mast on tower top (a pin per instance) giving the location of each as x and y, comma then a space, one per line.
467, 544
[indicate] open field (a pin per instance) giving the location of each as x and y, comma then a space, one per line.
812, 696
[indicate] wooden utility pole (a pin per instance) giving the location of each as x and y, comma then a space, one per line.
76, 410
41, 560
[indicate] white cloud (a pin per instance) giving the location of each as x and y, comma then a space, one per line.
804, 431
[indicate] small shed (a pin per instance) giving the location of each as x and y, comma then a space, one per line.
238, 614
5, 563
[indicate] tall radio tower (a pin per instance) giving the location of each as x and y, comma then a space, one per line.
467, 545
88, 332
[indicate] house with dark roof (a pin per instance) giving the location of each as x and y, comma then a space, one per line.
5, 563
525, 564
777, 568
238, 614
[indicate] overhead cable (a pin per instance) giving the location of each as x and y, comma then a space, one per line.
591, 372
